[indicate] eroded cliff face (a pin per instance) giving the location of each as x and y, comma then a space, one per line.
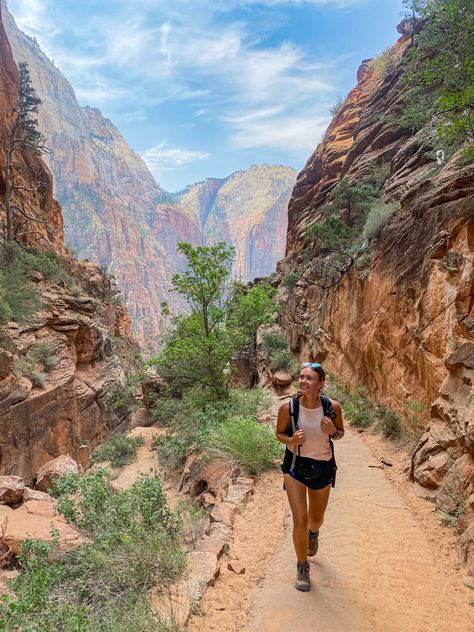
247, 210
404, 326
81, 331
117, 215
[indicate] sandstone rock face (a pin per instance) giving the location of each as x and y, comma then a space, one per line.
393, 328
80, 331
118, 216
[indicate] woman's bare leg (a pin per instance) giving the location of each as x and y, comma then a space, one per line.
296, 492
318, 501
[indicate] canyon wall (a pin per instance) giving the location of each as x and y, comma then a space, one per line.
403, 325
116, 215
86, 338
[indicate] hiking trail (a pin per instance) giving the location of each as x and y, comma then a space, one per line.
384, 562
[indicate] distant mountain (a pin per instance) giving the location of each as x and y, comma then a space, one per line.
116, 214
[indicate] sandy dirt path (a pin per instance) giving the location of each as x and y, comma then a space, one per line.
376, 571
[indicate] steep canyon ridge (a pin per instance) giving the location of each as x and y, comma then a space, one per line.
403, 325
116, 215
79, 327
400, 323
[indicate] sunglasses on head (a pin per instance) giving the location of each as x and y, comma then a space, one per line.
313, 365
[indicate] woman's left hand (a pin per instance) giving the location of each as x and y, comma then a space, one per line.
327, 426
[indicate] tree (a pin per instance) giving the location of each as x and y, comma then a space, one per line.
23, 137
442, 67
200, 345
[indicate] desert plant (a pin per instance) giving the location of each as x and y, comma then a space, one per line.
389, 423
337, 107
44, 353
377, 217
28, 367
172, 449
250, 445
120, 449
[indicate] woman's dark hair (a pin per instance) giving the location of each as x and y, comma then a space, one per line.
320, 371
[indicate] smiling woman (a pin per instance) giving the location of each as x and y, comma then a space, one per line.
308, 425
211, 87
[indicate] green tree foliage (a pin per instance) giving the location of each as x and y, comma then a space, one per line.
441, 72
223, 319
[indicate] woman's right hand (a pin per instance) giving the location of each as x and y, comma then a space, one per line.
298, 438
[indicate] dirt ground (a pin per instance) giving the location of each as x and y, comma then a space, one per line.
385, 563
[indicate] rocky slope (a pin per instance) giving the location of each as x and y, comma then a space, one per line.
403, 327
116, 215
64, 411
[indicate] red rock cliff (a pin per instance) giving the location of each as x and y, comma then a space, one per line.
80, 331
405, 327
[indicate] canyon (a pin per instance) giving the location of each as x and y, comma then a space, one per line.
116, 215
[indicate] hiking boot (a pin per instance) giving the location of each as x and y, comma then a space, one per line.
313, 543
302, 576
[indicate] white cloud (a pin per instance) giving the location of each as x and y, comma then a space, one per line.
163, 157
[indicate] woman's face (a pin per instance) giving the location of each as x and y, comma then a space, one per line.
309, 381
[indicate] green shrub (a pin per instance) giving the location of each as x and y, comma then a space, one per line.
359, 409
102, 585
291, 279
284, 361
121, 394
43, 353
28, 367
172, 450
120, 450
250, 445
273, 341
388, 422
378, 216
337, 107
249, 402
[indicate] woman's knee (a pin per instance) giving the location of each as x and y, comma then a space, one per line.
300, 521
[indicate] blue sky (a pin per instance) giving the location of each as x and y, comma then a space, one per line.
202, 88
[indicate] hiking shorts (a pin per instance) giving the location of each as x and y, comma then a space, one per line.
328, 475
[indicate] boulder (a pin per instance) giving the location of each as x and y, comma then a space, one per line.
433, 469
52, 469
455, 484
465, 549
206, 476
203, 566
6, 363
223, 512
36, 520
281, 378
34, 494
11, 489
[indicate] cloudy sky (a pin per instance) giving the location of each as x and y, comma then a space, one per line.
202, 88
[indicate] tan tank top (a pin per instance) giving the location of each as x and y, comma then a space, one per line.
316, 445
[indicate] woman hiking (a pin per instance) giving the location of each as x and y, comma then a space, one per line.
307, 426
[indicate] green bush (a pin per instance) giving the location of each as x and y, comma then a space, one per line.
291, 279
102, 585
284, 361
172, 450
388, 422
359, 409
250, 445
28, 367
121, 394
337, 107
273, 341
43, 353
120, 450
378, 216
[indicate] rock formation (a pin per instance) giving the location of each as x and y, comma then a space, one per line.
78, 326
116, 214
394, 326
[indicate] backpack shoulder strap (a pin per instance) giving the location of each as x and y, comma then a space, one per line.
294, 412
328, 408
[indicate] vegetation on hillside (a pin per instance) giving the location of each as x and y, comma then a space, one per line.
101, 586
198, 352
440, 74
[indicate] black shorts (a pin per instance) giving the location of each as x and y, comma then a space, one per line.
328, 474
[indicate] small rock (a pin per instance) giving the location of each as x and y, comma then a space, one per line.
34, 494
208, 499
11, 489
236, 567
223, 512
36, 276
281, 378
203, 566
217, 546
